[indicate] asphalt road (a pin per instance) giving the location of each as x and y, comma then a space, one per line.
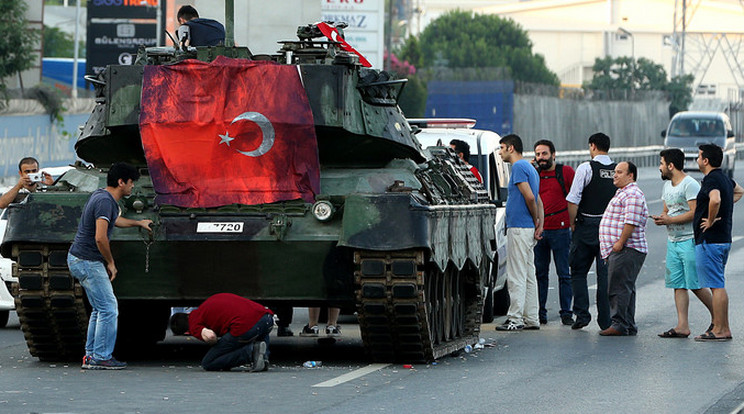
555, 370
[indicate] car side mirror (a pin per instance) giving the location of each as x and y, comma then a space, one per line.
663, 133
730, 133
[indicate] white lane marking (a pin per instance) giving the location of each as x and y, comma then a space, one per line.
592, 287
736, 239
351, 375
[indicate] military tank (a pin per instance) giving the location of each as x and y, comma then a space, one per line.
402, 234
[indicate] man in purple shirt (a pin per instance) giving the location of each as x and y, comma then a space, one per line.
622, 243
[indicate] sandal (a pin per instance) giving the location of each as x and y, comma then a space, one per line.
710, 337
672, 334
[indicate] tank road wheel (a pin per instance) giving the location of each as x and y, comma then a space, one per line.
50, 303
411, 311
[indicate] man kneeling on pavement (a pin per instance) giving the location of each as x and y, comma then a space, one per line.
237, 328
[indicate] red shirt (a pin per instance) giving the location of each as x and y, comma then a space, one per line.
553, 198
225, 312
476, 173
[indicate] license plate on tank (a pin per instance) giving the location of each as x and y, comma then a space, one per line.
221, 227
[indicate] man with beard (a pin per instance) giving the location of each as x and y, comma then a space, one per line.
713, 219
679, 196
555, 181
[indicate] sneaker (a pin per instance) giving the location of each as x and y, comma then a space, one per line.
259, 357
510, 326
104, 364
284, 331
543, 320
308, 330
567, 320
531, 327
332, 330
86, 362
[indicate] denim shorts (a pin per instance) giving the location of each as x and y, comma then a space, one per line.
681, 271
711, 261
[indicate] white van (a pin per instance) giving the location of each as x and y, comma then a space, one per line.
484, 147
688, 130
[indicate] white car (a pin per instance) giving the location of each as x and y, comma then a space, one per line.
7, 303
484, 147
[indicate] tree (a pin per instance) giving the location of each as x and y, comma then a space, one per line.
627, 74
17, 41
459, 39
60, 44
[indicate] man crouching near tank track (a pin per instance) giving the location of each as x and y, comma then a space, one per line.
238, 329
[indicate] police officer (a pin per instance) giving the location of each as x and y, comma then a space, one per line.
592, 177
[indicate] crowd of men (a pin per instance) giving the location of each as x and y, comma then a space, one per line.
597, 215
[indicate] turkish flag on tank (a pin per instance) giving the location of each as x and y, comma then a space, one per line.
230, 131
332, 33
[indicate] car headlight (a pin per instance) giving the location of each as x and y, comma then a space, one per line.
323, 210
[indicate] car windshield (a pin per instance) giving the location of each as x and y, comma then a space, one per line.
697, 127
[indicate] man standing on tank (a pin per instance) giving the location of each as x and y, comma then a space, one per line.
524, 226
196, 31
555, 180
590, 193
90, 261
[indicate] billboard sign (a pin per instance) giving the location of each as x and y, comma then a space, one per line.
116, 29
366, 25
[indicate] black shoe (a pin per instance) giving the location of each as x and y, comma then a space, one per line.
567, 320
543, 320
284, 331
579, 324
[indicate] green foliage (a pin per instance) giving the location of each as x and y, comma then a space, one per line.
50, 98
60, 44
17, 40
627, 74
413, 98
680, 93
460, 39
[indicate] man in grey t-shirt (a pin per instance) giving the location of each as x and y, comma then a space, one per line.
679, 197
90, 261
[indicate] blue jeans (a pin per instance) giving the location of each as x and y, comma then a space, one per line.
232, 351
556, 241
104, 317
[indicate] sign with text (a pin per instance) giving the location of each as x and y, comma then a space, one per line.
366, 24
122, 9
116, 43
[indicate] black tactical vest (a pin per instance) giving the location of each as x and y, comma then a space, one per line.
600, 190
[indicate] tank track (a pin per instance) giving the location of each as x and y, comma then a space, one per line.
411, 311
50, 303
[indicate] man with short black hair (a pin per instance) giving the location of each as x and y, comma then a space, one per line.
622, 243
524, 226
196, 31
90, 261
712, 224
555, 181
592, 177
462, 149
679, 197
25, 185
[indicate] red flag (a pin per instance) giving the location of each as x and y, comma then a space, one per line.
229, 131
332, 33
